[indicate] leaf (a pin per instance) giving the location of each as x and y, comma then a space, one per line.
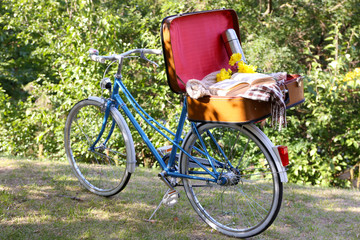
313, 152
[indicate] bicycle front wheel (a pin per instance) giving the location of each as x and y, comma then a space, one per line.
104, 168
247, 197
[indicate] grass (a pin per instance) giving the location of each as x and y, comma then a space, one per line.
43, 200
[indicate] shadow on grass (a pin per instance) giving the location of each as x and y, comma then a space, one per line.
317, 213
43, 200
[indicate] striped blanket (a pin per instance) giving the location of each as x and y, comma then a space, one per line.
270, 93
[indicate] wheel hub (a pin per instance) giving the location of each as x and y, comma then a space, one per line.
229, 178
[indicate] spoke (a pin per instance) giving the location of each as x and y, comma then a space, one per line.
252, 200
256, 174
86, 136
218, 151
107, 156
249, 159
243, 153
255, 185
100, 172
233, 145
88, 140
111, 162
240, 210
116, 152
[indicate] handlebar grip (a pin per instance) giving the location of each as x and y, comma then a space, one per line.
93, 51
153, 51
97, 58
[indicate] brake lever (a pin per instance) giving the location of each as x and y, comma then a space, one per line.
142, 55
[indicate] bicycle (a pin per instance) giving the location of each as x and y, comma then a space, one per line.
232, 174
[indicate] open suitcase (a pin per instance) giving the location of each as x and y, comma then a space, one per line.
193, 48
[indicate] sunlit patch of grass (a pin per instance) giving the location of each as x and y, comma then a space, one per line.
43, 200
6, 198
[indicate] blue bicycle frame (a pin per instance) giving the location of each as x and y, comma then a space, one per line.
168, 168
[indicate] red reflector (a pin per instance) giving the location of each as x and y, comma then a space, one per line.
284, 156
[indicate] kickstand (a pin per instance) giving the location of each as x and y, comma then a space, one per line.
157, 208
170, 198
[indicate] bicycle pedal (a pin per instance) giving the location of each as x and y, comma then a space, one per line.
170, 198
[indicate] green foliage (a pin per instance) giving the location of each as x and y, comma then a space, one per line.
323, 133
273, 58
44, 70
60, 34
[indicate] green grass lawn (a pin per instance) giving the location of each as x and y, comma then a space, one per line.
43, 200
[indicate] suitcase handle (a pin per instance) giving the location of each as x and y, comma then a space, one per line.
287, 96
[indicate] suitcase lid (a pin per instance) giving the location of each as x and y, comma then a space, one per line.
193, 46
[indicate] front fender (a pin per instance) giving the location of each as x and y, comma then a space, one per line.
130, 149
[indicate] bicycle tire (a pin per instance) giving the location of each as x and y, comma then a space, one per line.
107, 168
251, 199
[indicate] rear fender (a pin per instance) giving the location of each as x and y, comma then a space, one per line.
272, 150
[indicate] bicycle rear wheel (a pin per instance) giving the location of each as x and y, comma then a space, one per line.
248, 197
104, 169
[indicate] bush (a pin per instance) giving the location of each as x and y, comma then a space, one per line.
44, 70
323, 133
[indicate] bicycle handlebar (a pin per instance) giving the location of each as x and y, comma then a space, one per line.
94, 54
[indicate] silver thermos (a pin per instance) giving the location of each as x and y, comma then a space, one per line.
232, 43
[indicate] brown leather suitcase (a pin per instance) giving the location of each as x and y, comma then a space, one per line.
242, 110
193, 48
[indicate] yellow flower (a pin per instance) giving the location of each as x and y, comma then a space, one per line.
224, 74
235, 58
351, 76
244, 68
241, 68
